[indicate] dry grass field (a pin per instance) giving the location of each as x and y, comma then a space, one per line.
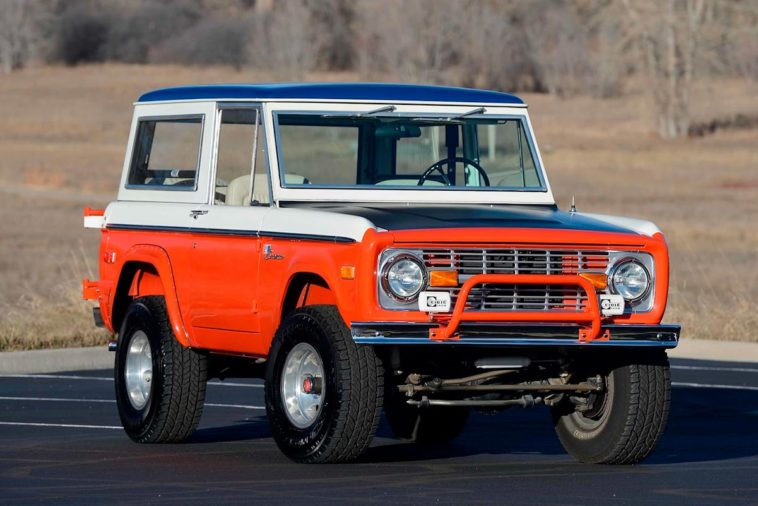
62, 140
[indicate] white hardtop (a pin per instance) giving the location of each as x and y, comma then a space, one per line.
209, 110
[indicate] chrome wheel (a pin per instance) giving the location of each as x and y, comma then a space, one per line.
139, 370
302, 385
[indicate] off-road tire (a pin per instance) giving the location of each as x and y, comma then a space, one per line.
179, 376
353, 389
428, 426
633, 418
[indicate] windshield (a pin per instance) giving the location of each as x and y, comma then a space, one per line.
330, 151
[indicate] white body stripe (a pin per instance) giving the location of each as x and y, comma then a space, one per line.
643, 227
240, 219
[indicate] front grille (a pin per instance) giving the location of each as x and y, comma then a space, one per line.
515, 261
491, 297
495, 297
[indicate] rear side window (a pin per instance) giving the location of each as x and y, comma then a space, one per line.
166, 154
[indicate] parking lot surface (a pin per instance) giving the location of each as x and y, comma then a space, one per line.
61, 442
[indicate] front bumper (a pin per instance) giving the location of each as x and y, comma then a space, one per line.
515, 335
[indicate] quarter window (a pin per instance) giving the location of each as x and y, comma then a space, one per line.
166, 153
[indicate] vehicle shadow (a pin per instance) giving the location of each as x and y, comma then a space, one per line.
245, 430
704, 425
709, 424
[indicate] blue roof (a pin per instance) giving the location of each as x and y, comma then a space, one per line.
332, 91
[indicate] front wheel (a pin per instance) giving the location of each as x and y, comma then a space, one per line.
622, 424
323, 392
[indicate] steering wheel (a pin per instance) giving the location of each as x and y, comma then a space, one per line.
437, 166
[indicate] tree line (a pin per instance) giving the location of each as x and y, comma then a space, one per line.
562, 47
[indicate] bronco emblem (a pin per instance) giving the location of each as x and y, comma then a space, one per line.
269, 255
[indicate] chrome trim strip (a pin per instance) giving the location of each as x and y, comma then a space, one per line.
513, 342
519, 334
221, 231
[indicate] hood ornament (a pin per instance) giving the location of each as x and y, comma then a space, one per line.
573, 206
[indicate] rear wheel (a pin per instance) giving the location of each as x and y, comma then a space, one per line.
323, 392
623, 424
160, 384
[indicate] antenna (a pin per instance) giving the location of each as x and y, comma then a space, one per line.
573, 205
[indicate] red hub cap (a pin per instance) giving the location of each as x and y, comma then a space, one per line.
308, 384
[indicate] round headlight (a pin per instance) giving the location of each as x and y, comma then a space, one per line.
630, 279
404, 277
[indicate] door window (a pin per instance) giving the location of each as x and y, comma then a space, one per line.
241, 152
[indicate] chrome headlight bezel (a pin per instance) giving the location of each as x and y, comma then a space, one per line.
615, 284
618, 259
389, 299
386, 282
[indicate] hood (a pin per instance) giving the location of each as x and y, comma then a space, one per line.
400, 217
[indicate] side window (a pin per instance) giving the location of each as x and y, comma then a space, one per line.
239, 135
166, 153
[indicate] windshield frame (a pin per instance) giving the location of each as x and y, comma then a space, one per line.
402, 193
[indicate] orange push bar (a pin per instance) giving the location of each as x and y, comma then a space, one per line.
590, 315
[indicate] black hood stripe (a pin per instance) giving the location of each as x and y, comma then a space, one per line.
399, 217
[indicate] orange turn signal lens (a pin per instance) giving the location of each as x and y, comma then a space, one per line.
443, 278
347, 272
599, 281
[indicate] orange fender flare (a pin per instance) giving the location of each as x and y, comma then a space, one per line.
158, 258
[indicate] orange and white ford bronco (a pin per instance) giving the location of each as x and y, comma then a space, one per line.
369, 246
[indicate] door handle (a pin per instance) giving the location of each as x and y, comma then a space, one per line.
198, 212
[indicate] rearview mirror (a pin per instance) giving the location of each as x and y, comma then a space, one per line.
397, 131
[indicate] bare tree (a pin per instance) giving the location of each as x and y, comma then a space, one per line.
669, 32
494, 52
334, 24
413, 40
17, 27
283, 39
558, 45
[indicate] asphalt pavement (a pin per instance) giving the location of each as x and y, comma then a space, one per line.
61, 443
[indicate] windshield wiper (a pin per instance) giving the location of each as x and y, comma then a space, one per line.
478, 110
454, 119
386, 108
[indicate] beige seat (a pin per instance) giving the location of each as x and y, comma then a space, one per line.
295, 179
238, 191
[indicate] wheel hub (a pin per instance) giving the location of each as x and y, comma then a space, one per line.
301, 385
599, 408
138, 373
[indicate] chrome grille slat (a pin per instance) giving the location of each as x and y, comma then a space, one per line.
487, 297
